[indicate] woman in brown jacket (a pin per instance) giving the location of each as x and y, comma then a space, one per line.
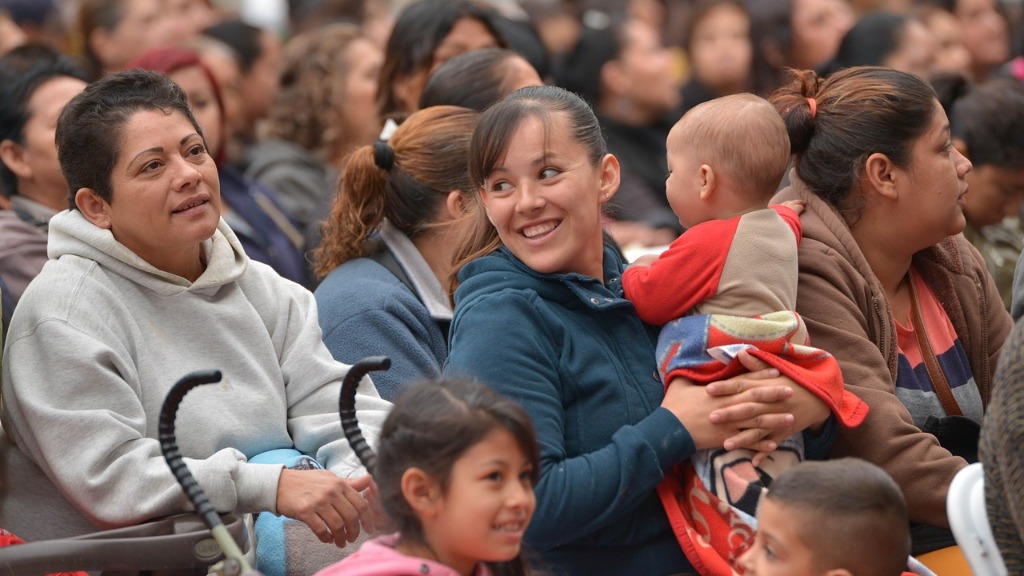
888, 284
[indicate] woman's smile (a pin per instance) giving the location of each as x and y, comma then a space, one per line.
535, 231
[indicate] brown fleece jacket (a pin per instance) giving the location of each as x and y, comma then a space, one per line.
847, 313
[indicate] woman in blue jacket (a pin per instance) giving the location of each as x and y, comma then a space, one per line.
540, 316
386, 253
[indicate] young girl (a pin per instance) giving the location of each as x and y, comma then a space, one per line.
455, 471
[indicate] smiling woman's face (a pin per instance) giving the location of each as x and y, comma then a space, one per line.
166, 195
544, 198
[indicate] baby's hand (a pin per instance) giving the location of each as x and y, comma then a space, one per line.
796, 205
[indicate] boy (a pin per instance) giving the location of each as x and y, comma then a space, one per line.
728, 284
842, 517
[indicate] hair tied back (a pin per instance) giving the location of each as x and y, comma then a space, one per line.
814, 106
383, 155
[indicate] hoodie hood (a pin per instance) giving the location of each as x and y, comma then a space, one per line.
72, 235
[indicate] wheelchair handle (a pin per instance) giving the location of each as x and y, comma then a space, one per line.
347, 407
169, 447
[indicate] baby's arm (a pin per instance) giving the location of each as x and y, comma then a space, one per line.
669, 286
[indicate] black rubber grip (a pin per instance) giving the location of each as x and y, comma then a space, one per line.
169, 442
347, 407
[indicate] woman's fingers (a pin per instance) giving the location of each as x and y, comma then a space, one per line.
747, 382
760, 403
756, 439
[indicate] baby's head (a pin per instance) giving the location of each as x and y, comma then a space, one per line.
455, 468
725, 157
842, 517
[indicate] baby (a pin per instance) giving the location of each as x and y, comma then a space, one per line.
729, 284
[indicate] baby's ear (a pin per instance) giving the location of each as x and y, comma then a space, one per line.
707, 182
422, 491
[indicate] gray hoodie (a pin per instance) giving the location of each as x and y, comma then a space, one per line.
94, 346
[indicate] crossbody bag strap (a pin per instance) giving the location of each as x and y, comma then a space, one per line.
381, 255
931, 363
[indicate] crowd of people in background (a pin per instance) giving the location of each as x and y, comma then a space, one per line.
470, 187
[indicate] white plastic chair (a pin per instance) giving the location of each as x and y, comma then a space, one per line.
965, 505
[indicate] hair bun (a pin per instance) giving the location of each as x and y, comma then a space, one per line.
383, 155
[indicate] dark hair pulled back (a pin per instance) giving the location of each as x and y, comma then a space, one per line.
835, 123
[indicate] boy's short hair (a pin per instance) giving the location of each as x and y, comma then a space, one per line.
852, 515
742, 135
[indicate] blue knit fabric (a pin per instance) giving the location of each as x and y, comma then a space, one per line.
364, 310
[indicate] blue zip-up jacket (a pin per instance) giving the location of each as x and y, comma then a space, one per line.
575, 354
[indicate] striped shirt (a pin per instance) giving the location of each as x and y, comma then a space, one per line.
913, 385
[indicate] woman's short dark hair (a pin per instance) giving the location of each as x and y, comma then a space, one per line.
475, 79
859, 111
90, 130
20, 77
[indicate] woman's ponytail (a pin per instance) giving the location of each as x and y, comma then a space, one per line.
357, 210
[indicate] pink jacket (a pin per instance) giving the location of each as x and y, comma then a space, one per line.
378, 557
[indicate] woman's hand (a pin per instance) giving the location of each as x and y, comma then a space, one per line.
756, 410
332, 507
741, 413
806, 410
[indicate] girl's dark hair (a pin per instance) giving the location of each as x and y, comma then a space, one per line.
988, 118
874, 37
19, 80
417, 32
860, 111
475, 79
430, 427
491, 139
428, 162
90, 130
